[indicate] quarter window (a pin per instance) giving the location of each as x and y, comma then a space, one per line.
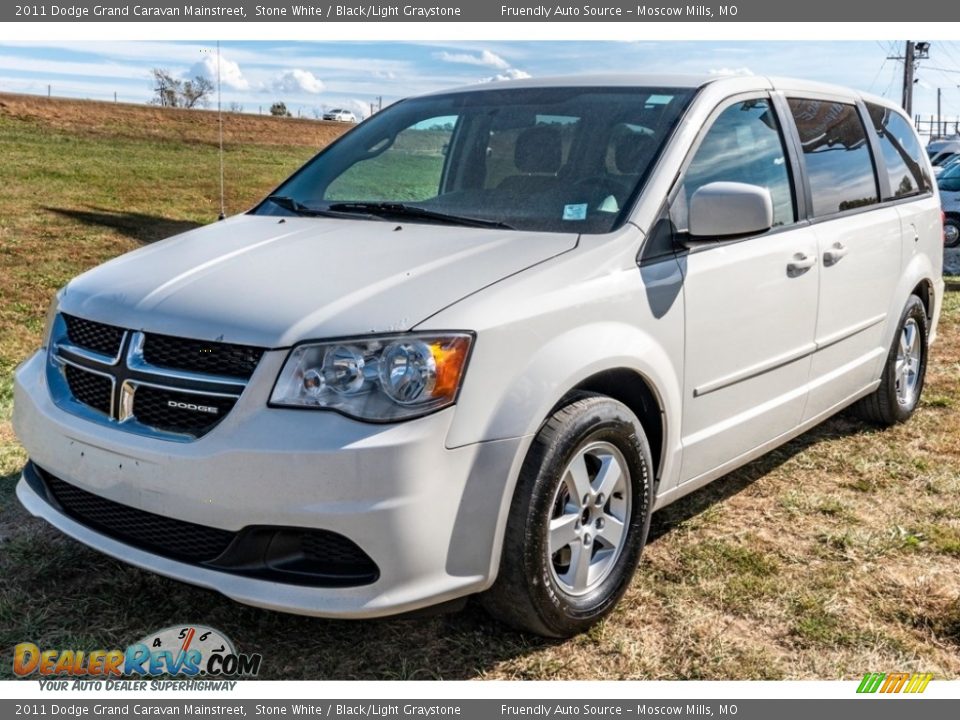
837, 155
745, 145
901, 152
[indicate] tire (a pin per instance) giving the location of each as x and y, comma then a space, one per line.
897, 397
541, 587
951, 232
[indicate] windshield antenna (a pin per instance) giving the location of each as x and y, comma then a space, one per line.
223, 213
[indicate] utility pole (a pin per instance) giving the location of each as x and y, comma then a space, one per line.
940, 132
908, 70
913, 53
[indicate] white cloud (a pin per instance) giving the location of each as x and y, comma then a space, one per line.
297, 81
484, 59
725, 71
508, 74
230, 74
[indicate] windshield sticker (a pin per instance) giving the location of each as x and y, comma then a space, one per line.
575, 212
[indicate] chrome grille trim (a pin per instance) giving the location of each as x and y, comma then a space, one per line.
135, 361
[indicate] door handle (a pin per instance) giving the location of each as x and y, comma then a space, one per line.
800, 263
834, 254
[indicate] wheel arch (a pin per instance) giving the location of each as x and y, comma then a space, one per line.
924, 290
638, 393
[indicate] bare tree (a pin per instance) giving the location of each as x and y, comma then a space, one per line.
170, 91
195, 92
235, 107
166, 88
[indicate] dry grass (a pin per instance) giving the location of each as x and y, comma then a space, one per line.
89, 118
837, 554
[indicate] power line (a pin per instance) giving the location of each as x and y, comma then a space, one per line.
882, 66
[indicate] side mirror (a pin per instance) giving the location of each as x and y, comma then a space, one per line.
730, 209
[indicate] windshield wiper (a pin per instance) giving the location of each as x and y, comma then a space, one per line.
289, 203
295, 206
395, 209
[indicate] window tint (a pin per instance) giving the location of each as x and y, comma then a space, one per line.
836, 154
901, 152
744, 145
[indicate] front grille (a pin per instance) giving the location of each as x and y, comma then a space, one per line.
123, 374
89, 388
151, 406
162, 535
90, 335
198, 356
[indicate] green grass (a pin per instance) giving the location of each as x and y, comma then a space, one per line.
835, 555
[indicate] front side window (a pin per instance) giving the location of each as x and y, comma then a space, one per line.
837, 155
556, 159
901, 152
743, 145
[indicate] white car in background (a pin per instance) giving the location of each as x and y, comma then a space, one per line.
471, 346
340, 115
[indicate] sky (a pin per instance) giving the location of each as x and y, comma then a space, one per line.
311, 77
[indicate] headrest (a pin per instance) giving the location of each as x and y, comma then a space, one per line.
631, 153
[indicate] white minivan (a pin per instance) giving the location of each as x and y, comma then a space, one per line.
474, 343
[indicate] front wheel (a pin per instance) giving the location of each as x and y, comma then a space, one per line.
579, 520
903, 374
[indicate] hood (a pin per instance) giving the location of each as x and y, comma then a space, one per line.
271, 283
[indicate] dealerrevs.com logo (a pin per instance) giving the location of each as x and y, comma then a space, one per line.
183, 651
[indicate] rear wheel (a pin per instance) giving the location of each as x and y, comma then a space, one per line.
579, 520
902, 380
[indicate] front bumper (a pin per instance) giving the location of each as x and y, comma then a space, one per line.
428, 516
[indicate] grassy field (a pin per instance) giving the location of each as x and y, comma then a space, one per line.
835, 555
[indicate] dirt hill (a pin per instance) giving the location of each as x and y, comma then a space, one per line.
96, 118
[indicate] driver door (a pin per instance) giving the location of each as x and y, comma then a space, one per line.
751, 303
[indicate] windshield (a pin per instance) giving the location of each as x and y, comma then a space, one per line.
550, 159
942, 157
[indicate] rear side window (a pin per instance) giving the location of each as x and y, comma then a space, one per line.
836, 154
744, 145
901, 152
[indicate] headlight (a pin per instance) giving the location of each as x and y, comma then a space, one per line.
51, 316
381, 379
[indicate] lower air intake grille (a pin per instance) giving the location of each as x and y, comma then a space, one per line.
162, 535
294, 555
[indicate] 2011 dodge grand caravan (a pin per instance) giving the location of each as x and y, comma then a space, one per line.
473, 344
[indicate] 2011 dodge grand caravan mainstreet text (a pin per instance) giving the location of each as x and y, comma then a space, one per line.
473, 344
